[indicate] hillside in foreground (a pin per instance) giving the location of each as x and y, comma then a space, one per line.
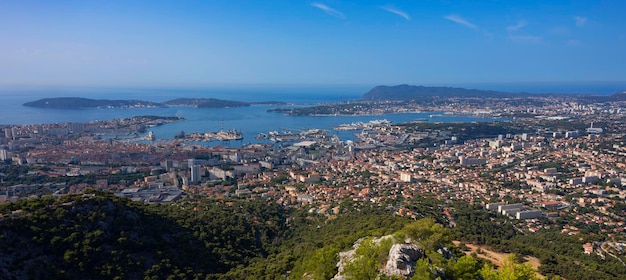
102, 236
98, 235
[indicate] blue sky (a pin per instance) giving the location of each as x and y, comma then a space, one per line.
194, 43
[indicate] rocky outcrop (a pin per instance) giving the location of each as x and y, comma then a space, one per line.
344, 258
402, 259
348, 256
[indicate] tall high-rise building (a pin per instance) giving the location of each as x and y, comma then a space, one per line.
168, 165
195, 173
525, 136
4, 154
8, 133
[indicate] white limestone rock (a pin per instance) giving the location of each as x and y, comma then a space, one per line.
402, 259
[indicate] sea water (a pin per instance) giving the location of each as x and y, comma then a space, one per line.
251, 120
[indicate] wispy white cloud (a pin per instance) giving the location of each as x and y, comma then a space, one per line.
516, 37
520, 24
328, 10
526, 39
461, 21
397, 12
580, 21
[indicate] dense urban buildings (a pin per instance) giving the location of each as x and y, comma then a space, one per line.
555, 167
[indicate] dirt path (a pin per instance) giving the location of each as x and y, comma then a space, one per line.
496, 257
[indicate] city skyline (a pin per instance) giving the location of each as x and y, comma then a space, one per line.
161, 43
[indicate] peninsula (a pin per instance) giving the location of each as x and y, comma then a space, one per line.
408, 98
409, 92
84, 103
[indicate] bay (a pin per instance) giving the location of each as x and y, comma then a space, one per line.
251, 121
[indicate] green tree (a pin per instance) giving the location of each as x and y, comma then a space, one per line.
323, 263
465, 267
368, 257
422, 270
510, 270
428, 233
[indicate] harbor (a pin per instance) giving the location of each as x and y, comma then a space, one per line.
222, 135
361, 125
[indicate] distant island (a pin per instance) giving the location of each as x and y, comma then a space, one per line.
86, 103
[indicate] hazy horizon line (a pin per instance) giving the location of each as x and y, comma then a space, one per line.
246, 84
538, 87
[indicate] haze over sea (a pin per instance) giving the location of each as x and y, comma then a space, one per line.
249, 120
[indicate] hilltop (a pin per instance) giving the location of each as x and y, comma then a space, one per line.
99, 235
620, 96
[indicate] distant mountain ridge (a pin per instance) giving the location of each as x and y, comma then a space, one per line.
409, 92
620, 96
420, 93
